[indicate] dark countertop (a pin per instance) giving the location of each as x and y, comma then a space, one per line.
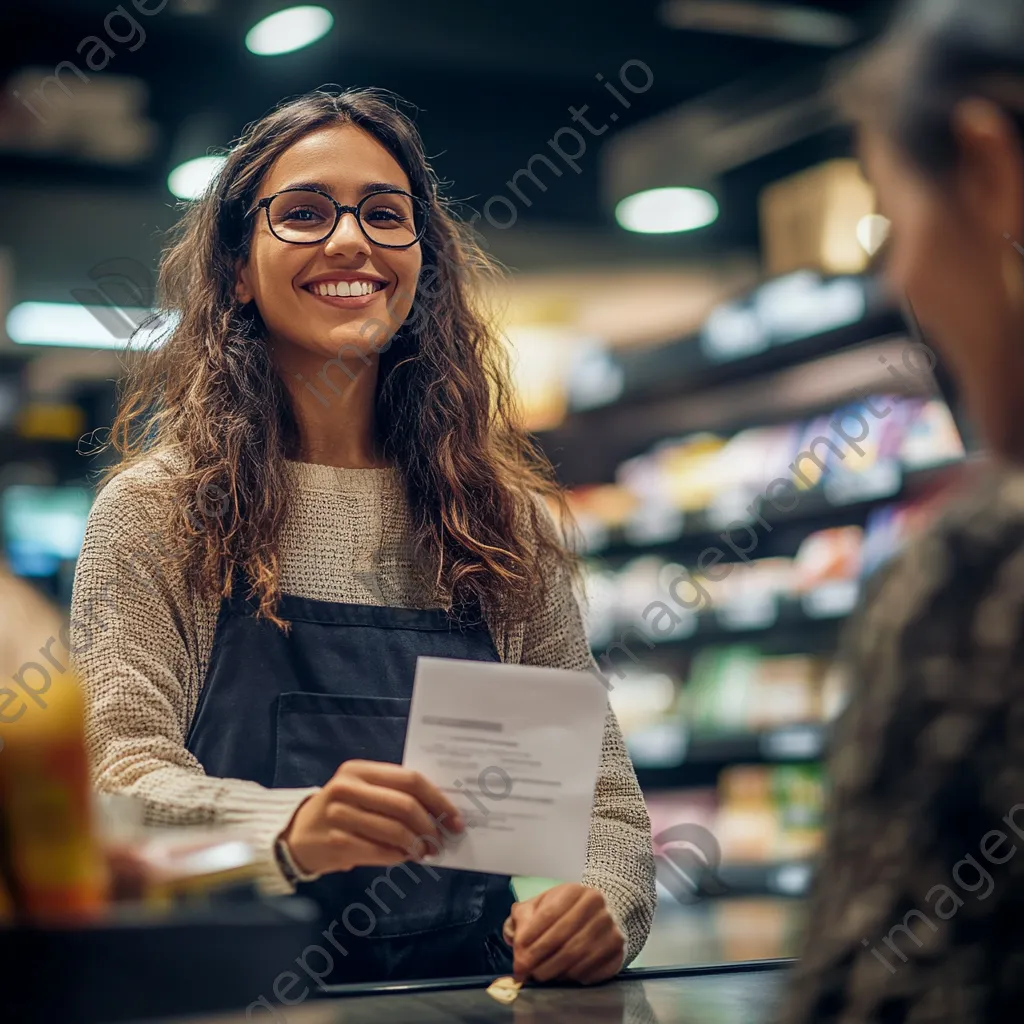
726, 994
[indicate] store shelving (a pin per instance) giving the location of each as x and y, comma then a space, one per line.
645, 428
700, 529
774, 878
799, 741
785, 322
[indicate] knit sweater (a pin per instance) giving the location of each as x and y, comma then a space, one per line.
142, 643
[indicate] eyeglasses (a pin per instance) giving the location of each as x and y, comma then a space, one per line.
304, 216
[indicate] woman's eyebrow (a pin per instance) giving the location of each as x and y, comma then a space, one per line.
381, 186
318, 185
370, 186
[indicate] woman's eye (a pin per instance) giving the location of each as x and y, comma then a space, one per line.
384, 215
302, 213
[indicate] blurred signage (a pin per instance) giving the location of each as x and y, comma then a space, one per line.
796, 306
51, 421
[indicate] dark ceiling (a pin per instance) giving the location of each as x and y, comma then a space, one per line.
492, 83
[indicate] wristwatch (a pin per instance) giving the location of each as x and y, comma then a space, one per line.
286, 862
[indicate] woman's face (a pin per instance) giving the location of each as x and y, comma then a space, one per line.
286, 281
948, 254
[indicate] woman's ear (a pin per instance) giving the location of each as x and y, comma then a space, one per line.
243, 291
991, 167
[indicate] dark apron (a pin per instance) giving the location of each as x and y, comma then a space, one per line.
286, 711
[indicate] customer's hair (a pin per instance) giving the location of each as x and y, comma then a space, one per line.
210, 395
935, 54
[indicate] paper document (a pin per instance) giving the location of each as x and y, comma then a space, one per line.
516, 749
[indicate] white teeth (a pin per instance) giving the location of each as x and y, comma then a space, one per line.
346, 287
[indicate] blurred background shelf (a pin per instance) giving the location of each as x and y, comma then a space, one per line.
801, 741
776, 326
784, 878
703, 528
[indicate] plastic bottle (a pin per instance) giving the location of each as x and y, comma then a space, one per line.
54, 855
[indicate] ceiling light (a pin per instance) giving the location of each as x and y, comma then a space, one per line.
661, 211
784, 22
872, 231
70, 325
190, 179
288, 30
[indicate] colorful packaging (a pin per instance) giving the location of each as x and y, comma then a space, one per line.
828, 556
55, 855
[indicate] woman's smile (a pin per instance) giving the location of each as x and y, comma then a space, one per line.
345, 290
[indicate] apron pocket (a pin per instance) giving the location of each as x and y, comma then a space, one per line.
315, 733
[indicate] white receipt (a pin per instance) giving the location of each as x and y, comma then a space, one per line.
516, 748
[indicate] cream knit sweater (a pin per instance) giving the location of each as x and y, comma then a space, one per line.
142, 642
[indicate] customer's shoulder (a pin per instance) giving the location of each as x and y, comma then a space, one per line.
984, 521
974, 547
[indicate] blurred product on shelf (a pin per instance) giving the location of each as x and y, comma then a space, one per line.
757, 814
890, 527
850, 454
735, 703
683, 474
828, 556
931, 437
739, 596
737, 689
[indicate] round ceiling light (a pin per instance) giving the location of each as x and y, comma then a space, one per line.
662, 211
190, 179
288, 30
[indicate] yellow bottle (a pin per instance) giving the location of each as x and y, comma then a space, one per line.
58, 866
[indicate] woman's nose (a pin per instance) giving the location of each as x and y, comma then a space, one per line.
347, 238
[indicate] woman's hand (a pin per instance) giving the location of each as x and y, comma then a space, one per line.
565, 934
371, 813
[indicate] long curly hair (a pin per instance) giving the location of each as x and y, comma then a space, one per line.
474, 481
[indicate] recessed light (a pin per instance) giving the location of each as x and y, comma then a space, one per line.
662, 211
190, 179
70, 325
288, 30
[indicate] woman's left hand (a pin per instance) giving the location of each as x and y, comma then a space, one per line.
565, 934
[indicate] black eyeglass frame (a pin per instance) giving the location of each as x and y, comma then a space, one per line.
340, 209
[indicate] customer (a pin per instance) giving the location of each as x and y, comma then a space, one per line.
918, 913
321, 481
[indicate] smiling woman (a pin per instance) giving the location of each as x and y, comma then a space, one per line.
332, 375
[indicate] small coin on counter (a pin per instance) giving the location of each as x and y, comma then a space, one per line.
504, 990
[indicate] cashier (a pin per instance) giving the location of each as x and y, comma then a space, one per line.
319, 480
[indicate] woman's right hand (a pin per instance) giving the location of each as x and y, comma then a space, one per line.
371, 813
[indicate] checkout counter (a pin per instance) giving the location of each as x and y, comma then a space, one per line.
745, 993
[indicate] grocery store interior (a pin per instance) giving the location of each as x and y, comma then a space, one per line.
701, 344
